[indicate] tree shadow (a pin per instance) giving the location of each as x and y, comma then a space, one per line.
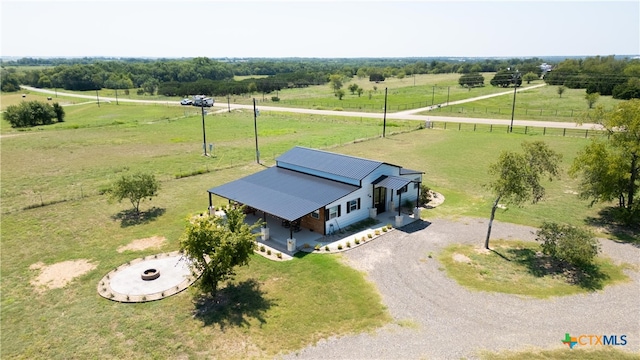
539, 265
608, 219
234, 305
130, 217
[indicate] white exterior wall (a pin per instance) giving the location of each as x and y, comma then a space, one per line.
345, 219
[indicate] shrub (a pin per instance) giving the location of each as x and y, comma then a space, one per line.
389, 226
369, 236
275, 98
279, 255
326, 248
568, 243
377, 232
348, 244
317, 247
339, 246
384, 229
262, 248
357, 241
269, 252
425, 194
363, 239
33, 113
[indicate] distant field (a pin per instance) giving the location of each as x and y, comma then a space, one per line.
542, 103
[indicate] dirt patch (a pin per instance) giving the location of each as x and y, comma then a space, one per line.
58, 275
461, 258
143, 244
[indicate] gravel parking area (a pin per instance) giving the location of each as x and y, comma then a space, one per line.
435, 318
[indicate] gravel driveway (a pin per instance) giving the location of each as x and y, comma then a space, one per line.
435, 318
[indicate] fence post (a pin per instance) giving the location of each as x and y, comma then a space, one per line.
586, 133
459, 126
445, 125
544, 131
474, 127
525, 130
490, 127
564, 132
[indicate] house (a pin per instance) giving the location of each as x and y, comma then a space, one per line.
324, 191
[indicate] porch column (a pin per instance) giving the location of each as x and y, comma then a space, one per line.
399, 216
264, 230
418, 195
210, 200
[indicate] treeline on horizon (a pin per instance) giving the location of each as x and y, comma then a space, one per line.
606, 75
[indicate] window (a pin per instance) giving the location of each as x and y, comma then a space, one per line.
353, 205
416, 183
316, 214
402, 190
333, 212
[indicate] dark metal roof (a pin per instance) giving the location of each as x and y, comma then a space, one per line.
404, 171
284, 193
331, 163
391, 182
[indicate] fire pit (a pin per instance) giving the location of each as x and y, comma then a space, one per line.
150, 274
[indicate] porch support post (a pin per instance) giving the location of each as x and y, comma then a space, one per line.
418, 195
210, 200
373, 195
399, 203
264, 219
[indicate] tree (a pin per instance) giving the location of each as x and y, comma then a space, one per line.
401, 75
135, 187
591, 99
359, 90
340, 94
216, 245
353, 88
517, 176
471, 80
611, 169
505, 78
568, 243
529, 77
33, 113
561, 90
335, 81
252, 87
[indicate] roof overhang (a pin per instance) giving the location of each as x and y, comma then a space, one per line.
284, 193
391, 182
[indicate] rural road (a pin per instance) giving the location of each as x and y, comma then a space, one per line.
404, 115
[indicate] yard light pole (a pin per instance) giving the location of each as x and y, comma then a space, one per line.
204, 135
514, 79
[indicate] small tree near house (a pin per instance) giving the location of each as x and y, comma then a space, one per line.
135, 187
516, 176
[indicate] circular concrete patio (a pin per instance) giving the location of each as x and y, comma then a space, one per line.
126, 284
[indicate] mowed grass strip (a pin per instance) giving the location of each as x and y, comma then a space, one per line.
517, 267
565, 353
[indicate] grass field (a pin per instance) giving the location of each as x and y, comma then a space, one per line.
515, 262
542, 103
287, 305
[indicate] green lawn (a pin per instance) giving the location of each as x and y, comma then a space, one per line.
514, 268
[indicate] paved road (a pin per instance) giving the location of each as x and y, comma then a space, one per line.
443, 320
398, 116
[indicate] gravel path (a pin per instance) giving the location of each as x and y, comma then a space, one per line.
435, 318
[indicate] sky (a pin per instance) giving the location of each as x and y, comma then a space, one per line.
324, 28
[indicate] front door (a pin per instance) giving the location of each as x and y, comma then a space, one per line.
380, 199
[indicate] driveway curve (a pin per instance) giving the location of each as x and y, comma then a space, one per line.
436, 318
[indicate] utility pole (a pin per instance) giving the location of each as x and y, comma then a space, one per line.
433, 94
204, 136
229, 102
448, 88
117, 97
384, 119
97, 98
515, 77
255, 129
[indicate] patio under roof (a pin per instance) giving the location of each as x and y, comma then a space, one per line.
284, 193
391, 182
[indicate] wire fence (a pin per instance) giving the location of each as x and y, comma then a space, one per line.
527, 130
